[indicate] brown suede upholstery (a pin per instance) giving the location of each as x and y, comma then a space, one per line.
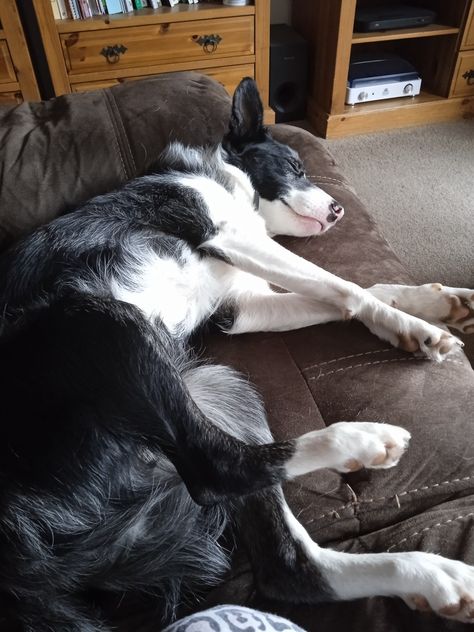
57, 154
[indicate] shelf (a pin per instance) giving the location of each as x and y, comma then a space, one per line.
391, 104
179, 13
432, 30
2, 33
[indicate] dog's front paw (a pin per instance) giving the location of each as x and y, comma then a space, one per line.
433, 342
460, 303
412, 334
445, 587
360, 444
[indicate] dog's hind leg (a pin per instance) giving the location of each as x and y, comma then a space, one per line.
289, 566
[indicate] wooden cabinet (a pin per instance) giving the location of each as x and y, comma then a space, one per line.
443, 54
463, 78
17, 78
227, 43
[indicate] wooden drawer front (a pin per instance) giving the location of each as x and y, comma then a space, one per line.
10, 98
463, 84
468, 39
228, 76
7, 72
138, 46
95, 85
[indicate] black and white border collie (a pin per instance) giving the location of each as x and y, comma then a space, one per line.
121, 460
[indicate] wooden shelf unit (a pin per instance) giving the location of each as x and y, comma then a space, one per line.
433, 30
155, 41
17, 77
436, 51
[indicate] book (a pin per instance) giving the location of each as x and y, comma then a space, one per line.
85, 9
170, 3
64, 10
128, 6
113, 6
75, 10
138, 4
55, 8
155, 4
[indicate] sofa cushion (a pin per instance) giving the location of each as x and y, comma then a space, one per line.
59, 153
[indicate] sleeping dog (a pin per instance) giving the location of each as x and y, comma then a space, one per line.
122, 461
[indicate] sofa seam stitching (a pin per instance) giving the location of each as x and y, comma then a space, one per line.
396, 496
425, 529
356, 366
354, 355
119, 122
115, 135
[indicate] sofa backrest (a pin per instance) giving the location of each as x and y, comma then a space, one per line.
55, 155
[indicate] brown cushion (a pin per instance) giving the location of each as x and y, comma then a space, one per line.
58, 154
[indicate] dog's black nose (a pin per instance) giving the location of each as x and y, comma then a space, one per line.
336, 208
336, 211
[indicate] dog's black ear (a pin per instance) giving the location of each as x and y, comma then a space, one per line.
246, 119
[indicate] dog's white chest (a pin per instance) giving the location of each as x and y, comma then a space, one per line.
182, 292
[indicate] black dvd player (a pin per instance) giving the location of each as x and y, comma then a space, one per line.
391, 16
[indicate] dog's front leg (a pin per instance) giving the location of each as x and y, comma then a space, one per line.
247, 246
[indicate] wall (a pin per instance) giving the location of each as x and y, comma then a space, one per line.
281, 11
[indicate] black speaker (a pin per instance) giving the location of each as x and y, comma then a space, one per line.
288, 73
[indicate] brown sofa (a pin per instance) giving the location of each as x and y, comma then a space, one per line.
57, 154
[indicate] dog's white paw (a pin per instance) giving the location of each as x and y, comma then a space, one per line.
412, 334
433, 342
443, 586
460, 303
356, 445
433, 302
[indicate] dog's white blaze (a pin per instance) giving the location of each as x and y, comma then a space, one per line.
222, 205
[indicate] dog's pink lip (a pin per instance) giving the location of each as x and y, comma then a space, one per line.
307, 219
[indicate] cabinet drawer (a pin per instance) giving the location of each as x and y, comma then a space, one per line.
463, 82
228, 76
10, 98
7, 72
137, 46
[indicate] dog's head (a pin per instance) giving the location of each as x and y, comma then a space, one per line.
289, 203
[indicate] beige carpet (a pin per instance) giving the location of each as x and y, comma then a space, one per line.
419, 185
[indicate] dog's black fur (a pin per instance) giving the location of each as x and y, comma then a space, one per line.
114, 476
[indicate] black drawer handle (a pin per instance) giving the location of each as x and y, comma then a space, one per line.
469, 77
112, 53
209, 43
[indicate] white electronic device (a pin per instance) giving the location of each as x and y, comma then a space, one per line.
375, 92
383, 76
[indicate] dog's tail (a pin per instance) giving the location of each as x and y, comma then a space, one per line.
229, 401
